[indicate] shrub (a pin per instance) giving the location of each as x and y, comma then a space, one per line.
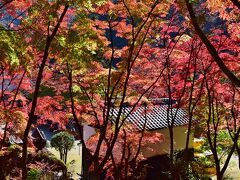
15, 149
51, 159
63, 142
34, 174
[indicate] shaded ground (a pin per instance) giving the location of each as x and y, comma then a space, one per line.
233, 171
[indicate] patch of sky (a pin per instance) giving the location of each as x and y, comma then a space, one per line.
7, 18
231, 52
117, 41
213, 21
106, 63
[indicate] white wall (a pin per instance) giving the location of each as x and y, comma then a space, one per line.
87, 132
179, 133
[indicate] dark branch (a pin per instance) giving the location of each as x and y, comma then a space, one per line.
4, 4
211, 49
236, 3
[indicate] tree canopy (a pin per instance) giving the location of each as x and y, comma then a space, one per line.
63, 142
67, 60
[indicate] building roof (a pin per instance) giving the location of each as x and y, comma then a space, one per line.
157, 116
37, 133
15, 139
43, 131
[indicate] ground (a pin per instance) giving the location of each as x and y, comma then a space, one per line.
233, 171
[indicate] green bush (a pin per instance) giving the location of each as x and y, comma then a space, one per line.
51, 158
34, 174
63, 142
206, 161
15, 149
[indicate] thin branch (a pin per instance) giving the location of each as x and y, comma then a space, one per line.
210, 47
236, 3
4, 4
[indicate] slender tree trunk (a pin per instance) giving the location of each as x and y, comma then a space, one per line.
65, 160
188, 133
64, 174
61, 155
171, 143
4, 135
2, 175
218, 170
86, 155
238, 152
171, 151
4, 4
36, 92
126, 170
219, 175
11, 107
34, 104
95, 176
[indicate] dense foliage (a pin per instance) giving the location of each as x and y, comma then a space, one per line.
67, 60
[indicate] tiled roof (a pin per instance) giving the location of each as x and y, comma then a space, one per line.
156, 116
15, 139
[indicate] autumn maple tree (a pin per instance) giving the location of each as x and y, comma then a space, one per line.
116, 83
221, 8
81, 60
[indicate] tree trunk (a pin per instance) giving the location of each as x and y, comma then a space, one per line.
12, 105
218, 169
189, 131
238, 152
219, 176
2, 176
65, 156
61, 155
4, 136
95, 176
36, 92
5, 4
171, 149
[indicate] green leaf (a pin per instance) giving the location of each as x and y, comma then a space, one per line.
62, 41
76, 88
